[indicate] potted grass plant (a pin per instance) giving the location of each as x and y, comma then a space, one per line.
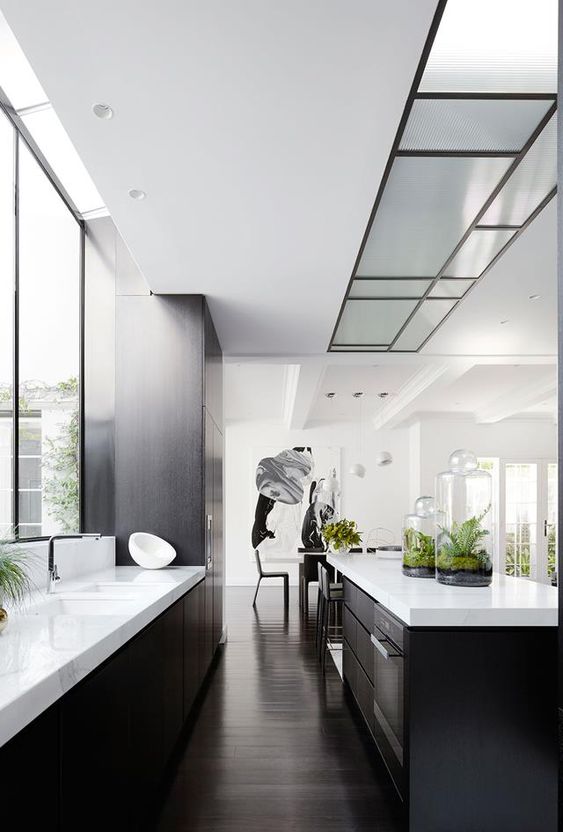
15, 582
341, 536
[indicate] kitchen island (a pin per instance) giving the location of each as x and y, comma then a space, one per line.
458, 687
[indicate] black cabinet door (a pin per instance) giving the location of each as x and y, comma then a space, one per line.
172, 691
95, 765
30, 775
218, 554
146, 718
194, 614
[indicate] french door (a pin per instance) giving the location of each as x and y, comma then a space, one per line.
528, 519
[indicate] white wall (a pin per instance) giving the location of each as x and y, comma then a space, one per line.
518, 439
385, 494
380, 499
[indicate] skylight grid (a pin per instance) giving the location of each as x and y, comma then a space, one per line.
29, 108
473, 163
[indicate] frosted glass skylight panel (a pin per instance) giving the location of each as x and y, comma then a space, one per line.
17, 78
477, 252
427, 206
367, 322
395, 288
426, 319
359, 349
533, 179
500, 46
53, 141
472, 124
450, 288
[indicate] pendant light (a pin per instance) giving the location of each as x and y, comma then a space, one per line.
331, 484
357, 469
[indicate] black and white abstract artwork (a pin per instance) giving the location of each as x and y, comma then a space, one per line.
291, 499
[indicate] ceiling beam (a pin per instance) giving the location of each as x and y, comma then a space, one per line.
520, 398
302, 389
404, 404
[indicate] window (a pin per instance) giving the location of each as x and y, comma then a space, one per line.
40, 282
521, 518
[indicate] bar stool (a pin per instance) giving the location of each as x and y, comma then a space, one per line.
262, 574
335, 588
331, 599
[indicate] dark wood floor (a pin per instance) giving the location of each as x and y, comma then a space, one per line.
276, 746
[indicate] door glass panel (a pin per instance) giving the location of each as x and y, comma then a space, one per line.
521, 489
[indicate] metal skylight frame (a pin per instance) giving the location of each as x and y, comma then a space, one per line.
396, 152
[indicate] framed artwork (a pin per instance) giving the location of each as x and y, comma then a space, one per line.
291, 499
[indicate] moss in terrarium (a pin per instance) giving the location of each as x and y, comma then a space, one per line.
418, 549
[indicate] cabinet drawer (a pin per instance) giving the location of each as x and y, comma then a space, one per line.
364, 651
349, 625
360, 686
349, 666
350, 593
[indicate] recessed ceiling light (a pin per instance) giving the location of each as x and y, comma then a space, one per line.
533, 297
383, 395
507, 321
330, 395
357, 395
102, 111
137, 194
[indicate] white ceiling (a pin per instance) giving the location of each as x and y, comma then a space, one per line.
529, 267
259, 130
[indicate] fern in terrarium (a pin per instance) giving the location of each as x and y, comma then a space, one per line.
462, 546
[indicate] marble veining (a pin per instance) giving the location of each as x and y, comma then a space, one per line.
508, 602
44, 656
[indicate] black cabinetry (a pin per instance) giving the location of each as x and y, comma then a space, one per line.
97, 758
464, 718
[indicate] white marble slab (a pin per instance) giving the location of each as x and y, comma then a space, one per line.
42, 657
423, 602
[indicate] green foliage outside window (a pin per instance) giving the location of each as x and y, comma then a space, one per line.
61, 466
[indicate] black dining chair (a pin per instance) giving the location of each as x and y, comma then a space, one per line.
262, 574
331, 599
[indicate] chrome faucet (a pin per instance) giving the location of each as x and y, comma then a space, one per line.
53, 572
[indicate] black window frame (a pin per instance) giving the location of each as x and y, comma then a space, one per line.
21, 134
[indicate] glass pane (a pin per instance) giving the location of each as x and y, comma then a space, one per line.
53, 141
430, 314
395, 288
494, 47
358, 349
49, 281
427, 206
521, 518
533, 179
450, 288
472, 124
6, 323
477, 252
17, 78
372, 321
551, 524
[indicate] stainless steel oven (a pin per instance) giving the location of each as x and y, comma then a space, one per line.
387, 639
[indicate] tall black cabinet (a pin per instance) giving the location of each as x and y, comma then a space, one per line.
153, 430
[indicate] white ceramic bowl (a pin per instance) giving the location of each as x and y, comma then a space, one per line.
150, 551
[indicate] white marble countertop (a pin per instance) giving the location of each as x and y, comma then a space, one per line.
423, 602
44, 656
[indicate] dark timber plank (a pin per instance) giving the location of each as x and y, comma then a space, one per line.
276, 747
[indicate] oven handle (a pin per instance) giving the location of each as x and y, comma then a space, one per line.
378, 644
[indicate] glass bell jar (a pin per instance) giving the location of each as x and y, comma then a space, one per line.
463, 519
419, 560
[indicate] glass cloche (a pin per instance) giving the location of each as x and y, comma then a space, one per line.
419, 559
463, 518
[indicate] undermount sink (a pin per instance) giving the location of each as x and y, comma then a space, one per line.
112, 588
83, 604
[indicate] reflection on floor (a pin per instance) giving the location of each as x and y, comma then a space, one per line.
277, 748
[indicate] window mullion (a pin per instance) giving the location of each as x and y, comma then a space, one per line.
16, 373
